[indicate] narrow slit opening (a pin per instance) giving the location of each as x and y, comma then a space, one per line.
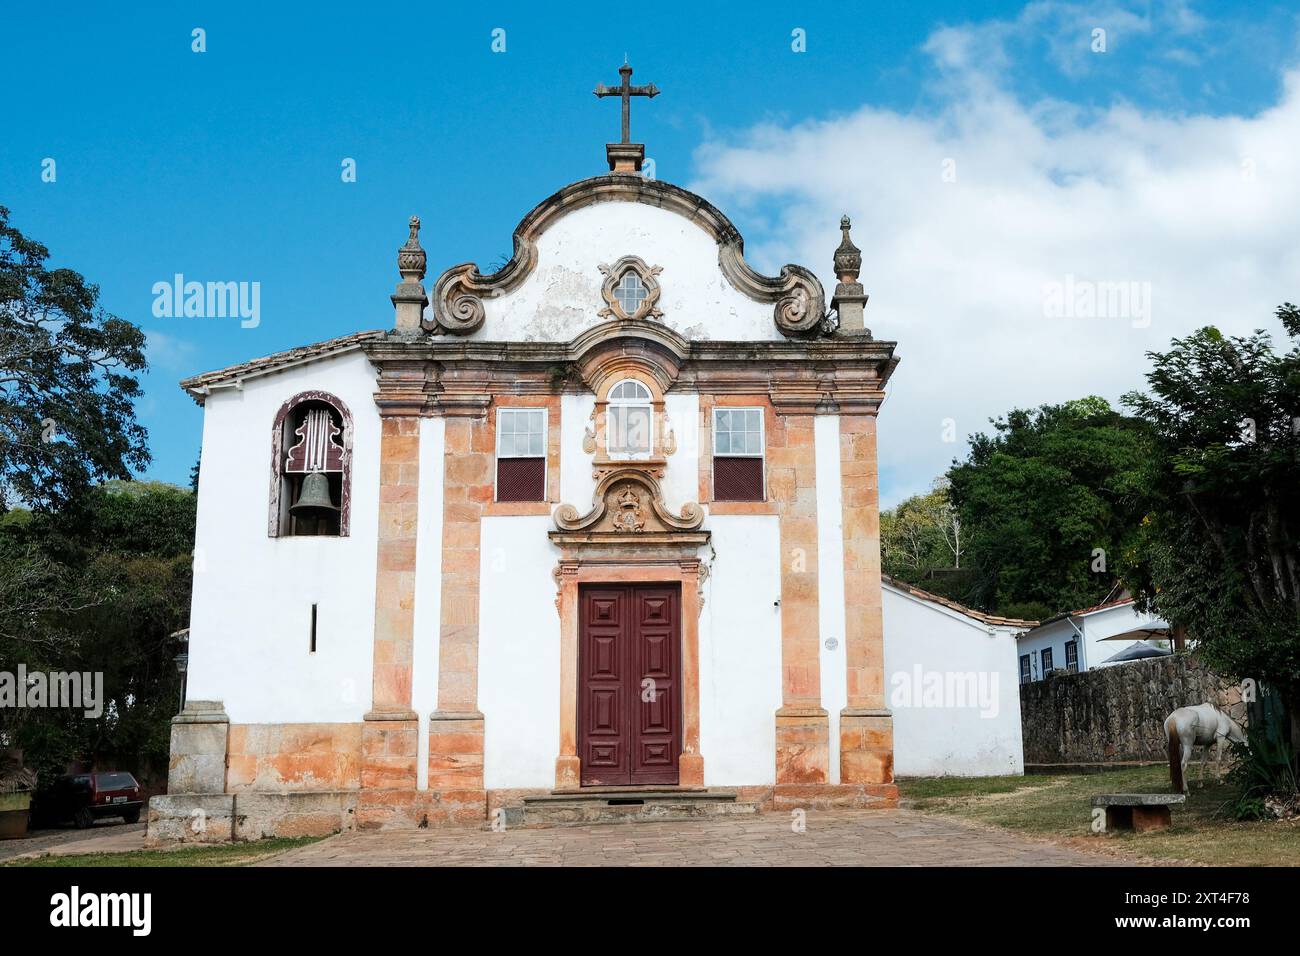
313, 629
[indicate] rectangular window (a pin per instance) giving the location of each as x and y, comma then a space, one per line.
1045, 656
1024, 669
1072, 656
521, 454
738, 454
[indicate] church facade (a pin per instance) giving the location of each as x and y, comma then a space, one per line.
602, 521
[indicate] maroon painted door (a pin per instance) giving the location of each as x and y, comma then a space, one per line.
629, 699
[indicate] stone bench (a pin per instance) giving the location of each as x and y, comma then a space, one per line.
1138, 811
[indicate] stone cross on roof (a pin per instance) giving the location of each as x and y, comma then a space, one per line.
626, 156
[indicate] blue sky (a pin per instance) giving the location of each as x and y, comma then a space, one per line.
225, 165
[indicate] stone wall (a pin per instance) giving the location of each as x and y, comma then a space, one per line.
1116, 713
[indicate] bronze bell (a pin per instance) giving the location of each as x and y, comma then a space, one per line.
314, 500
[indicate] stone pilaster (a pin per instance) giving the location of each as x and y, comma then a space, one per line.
389, 749
456, 728
866, 726
802, 724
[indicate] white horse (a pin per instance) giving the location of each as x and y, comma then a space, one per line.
1203, 724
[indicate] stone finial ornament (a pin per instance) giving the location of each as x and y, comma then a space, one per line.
411, 258
849, 301
409, 299
848, 257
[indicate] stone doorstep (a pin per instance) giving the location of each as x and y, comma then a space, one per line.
625, 805
632, 793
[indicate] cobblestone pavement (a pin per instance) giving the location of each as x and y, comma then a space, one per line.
831, 838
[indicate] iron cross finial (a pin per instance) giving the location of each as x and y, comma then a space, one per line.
625, 91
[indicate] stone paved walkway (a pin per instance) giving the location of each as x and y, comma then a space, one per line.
832, 838
106, 836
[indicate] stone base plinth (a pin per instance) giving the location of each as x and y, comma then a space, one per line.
690, 770
456, 751
199, 738
833, 795
390, 747
191, 818
227, 817
866, 746
412, 809
802, 745
568, 772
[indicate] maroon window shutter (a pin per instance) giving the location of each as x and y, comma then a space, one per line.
521, 479
737, 479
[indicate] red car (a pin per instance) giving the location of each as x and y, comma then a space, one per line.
85, 797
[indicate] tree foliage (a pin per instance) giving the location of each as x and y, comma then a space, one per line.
1218, 548
67, 381
103, 595
922, 541
1047, 503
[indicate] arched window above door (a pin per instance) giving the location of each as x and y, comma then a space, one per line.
629, 430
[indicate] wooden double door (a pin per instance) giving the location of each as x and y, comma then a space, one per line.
629, 687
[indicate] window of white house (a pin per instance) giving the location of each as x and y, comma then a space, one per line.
629, 427
738, 454
521, 454
1045, 660
1072, 656
1025, 675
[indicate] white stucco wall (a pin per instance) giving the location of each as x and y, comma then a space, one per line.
740, 652
251, 613
975, 734
519, 652
681, 481
428, 585
830, 578
561, 298
576, 483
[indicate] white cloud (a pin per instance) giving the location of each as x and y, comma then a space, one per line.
1203, 208
167, 353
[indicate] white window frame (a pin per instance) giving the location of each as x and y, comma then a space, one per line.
546, 458
1027, 668
648, 403
762, 441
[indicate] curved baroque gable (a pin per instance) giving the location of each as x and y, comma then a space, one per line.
797, 297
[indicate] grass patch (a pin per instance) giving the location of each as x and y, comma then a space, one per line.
229, 854
1059, 806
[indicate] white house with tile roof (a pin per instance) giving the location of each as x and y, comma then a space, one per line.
1077, 641
951, 685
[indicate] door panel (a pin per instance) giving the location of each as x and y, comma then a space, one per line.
629, 713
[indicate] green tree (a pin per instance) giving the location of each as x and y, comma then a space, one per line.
921, 540
1047, 502
1218, 550
103, 598
67, 381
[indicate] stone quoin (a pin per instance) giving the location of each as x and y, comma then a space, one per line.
583, 516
